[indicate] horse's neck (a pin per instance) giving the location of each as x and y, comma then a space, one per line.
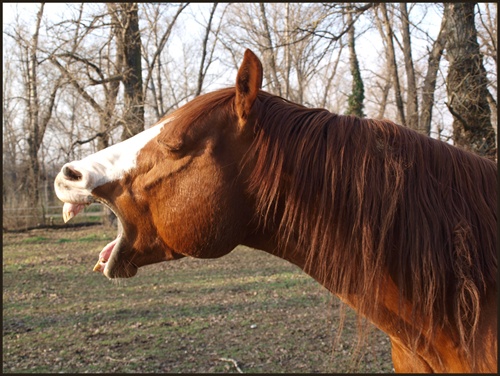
439, 354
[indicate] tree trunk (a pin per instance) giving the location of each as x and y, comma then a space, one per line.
467, 83
383, 101
288, 55
494, 116
391, 57
385, 85
38, 120
411, 100
33, 112
128, 37
203, 70
429, 85
132, 80
269, 52
357, 96
329, 81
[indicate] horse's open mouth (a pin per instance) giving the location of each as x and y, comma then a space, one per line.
111, 260
105, 254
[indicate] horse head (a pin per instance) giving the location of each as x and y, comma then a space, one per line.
176, 187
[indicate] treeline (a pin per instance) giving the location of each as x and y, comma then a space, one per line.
101, 72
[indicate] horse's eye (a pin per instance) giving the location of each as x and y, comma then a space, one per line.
172, 147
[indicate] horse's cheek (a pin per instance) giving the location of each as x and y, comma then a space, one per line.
191, 214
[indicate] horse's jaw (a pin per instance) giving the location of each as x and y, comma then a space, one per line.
113, 258
111, 263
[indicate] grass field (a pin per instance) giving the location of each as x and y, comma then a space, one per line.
247, 311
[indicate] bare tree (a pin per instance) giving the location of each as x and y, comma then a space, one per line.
467, 82
355, 100
159, 31
328, 86
39, 106
383, 79
269, 52
411, 99
487, 35
12, 137
488, 30
296, 42
125, 20
91, 73
324, 33
429, 84
391, 59
205, 60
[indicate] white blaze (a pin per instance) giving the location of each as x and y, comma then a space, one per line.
113, 162
104, 166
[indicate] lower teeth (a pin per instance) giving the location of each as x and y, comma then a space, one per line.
99, 267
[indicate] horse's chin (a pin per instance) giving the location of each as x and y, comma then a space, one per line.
113, 260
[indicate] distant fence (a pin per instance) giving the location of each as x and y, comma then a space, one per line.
24, 218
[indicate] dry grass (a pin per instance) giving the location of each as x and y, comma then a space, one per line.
184, 316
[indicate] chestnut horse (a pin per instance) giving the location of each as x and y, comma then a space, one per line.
400, 226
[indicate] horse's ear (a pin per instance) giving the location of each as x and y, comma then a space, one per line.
248, 83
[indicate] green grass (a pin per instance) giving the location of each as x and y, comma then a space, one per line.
181, 316
93, 238
64, 240
35, 239
85, 239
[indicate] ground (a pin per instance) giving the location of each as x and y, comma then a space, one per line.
247, 311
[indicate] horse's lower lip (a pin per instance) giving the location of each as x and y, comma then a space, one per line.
112, 255
128, 272
117, 266
110, 261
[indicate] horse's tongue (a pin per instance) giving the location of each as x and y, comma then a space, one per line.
104, 255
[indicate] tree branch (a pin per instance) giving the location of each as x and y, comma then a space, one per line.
82, 60
81, 142
75, 84
457, 115
48, 113
161, 45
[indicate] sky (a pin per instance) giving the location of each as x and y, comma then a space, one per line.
368, 45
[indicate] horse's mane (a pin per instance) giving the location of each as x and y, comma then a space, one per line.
367, 198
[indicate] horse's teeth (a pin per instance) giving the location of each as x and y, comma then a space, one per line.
67, 216
99, 267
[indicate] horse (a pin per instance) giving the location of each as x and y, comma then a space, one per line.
400, 226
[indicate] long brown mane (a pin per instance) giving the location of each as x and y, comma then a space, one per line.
368, 198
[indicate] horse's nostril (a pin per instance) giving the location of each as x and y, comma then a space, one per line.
71, 173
